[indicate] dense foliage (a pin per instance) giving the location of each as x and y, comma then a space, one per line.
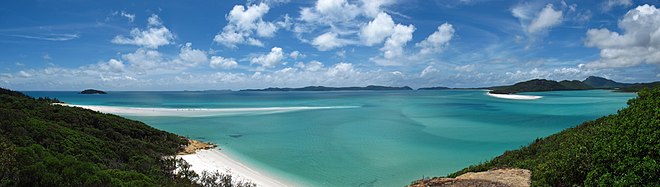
538, 85
600, 82
42, 144
639, 86
591, 82
617, 150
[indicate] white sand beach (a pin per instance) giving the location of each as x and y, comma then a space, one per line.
514, 96
213, 159
197, 112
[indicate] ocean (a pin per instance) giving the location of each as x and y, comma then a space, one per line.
360, 138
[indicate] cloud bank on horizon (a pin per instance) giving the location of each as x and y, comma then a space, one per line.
282, 43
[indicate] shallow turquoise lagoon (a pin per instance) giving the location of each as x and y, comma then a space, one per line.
389, 138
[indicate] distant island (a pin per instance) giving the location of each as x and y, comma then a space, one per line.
435, 88
534, 85
92, 91
590, 83
323, 88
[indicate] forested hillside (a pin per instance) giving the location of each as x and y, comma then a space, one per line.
617, 150
42, 144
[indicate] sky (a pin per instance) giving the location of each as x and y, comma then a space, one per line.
217, 45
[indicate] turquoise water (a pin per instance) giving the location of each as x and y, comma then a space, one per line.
390, 139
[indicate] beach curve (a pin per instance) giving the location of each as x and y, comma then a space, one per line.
215, 160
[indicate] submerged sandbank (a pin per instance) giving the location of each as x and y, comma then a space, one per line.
198, 112
215, 160
514, 96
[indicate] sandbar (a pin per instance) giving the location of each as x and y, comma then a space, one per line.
514, 96
198, 112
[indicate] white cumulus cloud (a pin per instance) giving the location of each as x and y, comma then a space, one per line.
243, 22
395, 44
336, 23
328, 11
144, 59
438, 40
328, 41
548, 18
639, 41
377, 30
311, 66
536, 20
154, 36
224, 63
192, 57
269, 60
296, 54
116, 65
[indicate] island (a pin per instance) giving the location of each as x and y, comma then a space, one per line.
590, 83
323, 88
600, 82
435, 88
92, 91
540, 85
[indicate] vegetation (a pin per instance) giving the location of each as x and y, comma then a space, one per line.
639, 86
617, 150
42, 144
539, 85
92, 91
323, 88
600, 82
591, 82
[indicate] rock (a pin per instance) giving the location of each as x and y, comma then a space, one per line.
194, 145
509, 177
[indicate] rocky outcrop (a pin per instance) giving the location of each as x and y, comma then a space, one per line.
510, 177
194, 145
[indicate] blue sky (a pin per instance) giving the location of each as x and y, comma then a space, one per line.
200, 45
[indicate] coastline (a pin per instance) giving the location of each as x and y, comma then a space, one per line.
214, 159
205, 156
513, 96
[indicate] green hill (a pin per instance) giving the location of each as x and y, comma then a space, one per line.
639, 86
600, 82
617, 150
539, 85
42, 144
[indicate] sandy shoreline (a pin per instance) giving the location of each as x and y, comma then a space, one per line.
197, 112
213, 159
514, 96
